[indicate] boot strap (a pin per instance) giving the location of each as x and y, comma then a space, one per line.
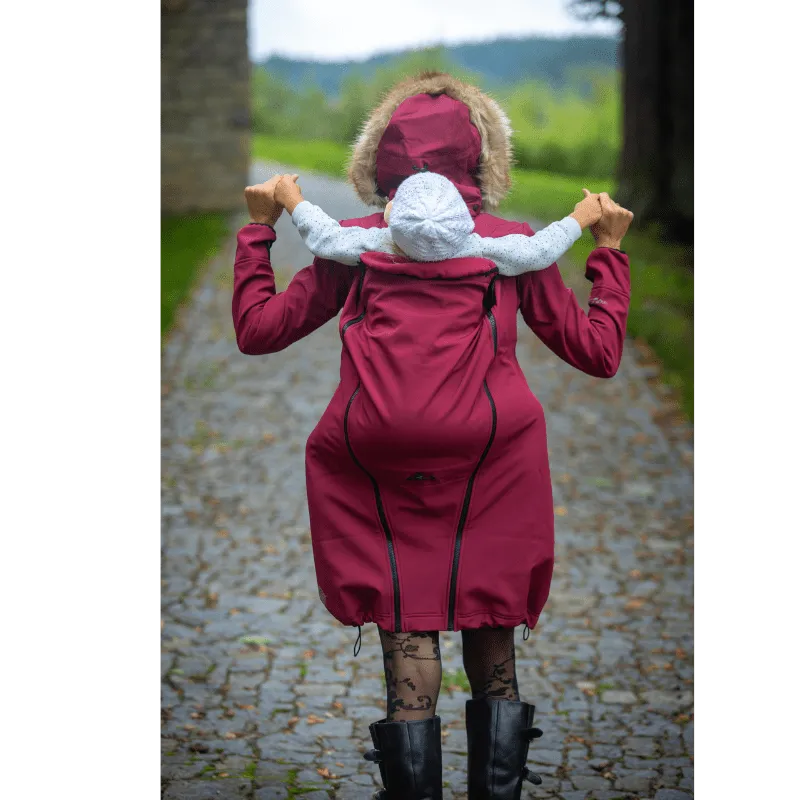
373, 755
531, 776
532, 733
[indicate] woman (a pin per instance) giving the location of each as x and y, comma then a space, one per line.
412, 554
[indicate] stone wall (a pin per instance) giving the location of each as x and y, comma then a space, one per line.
205, 104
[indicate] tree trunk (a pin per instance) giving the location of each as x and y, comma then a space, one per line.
656, 167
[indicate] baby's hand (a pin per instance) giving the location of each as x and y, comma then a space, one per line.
288, 193
588, 211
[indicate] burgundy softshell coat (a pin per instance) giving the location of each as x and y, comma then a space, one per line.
474, 546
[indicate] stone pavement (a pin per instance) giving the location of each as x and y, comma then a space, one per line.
261, 695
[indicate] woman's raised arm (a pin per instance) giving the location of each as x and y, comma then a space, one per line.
267, 321
591, 342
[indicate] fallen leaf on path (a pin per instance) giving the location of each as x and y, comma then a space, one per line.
325, 772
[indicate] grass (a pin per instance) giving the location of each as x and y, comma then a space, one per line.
314, 154
662, 294
187, 243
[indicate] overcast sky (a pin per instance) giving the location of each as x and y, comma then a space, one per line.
331, 30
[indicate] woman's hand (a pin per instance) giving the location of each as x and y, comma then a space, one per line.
588, 210
613, 225
288, 193
261, 202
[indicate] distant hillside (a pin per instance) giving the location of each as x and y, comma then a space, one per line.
501, 62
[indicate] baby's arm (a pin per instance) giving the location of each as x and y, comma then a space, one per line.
326, 238
516, 253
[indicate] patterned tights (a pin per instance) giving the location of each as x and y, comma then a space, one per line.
413, 668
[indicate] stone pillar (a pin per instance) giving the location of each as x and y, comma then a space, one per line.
205, 105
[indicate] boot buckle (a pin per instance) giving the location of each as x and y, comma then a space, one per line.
531, 776
373, 755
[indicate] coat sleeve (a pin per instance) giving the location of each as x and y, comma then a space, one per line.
267, 321
591, 342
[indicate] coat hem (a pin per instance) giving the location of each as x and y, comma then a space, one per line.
425, 621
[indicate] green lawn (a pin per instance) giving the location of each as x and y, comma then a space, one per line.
187, 243
319, 156
662, 296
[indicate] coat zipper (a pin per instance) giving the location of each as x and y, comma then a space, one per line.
381, 515
462, 520
493, 323
358, 298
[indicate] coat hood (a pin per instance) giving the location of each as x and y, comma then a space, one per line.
434, 122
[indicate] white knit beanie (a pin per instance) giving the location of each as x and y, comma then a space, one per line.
429, 219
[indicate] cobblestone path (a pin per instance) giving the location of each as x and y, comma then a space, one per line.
262, 697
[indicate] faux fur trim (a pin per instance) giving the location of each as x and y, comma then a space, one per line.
494, 172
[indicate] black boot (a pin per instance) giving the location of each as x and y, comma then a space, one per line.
498, 735
409, 755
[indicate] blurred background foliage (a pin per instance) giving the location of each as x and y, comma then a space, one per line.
568, 125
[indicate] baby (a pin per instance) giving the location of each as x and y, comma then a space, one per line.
428, 220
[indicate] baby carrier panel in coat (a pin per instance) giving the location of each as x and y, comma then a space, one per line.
421, 344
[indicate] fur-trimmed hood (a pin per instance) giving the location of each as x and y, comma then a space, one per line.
435, 122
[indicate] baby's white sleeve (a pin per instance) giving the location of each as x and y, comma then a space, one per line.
326, 238
516, 253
